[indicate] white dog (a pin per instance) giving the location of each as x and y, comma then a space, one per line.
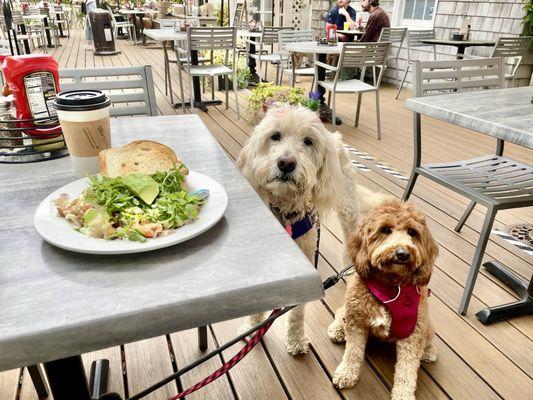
302, 171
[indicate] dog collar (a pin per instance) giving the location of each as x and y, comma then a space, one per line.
301, 227
401, 302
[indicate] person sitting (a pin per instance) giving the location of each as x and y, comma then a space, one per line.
339, 14
378, 20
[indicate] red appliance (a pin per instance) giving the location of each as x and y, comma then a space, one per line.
34, 82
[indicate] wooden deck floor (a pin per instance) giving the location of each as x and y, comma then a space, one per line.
475, 361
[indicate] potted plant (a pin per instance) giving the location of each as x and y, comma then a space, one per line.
267, 94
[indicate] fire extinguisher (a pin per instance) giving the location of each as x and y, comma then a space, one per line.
33, 80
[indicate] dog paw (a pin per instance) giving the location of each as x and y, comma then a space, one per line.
297, 345
344, 378
336, 332
430, 354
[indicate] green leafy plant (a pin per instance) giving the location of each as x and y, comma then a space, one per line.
267, 94
527, 21
243, 71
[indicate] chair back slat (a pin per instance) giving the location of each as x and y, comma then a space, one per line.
393, 35
511, 46
433, 77
270, 34
368, 54
212, 38
130, 87
415, 37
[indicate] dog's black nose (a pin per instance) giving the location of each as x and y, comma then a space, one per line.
402, 254
286, 164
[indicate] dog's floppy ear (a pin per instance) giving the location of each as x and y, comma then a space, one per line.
330, 178
430, 251
247, 156
357, 250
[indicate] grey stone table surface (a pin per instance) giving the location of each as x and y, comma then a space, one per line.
502, 113
55, 303
161, 35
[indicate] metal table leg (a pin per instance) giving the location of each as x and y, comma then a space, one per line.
325, 111
511, 310
67, 379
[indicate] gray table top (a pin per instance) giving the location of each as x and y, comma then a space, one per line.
503, 113
313, 47
54, 303
465, 43
161, 35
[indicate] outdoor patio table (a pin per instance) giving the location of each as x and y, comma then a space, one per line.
505, 114
58, 304
460, 44
169, 35
254, 77
322, 51
140, 14
351, 33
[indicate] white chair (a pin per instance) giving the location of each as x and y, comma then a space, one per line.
38, 23
291, 36
60, 17
206, 40
126, 24
415, 40
356, 55
269, 38
394, 36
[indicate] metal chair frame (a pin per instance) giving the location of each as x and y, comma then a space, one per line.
393, 35
356, 55
414, 41
495, 181
137, 81
269, 38
291, 36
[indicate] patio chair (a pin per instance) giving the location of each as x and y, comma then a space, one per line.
393, 35
290, 36
29, 35
414, 42
209, 40
64, 20
356, 55
131, 89
495, 181
516, 47
269, 38
126, 24
36, 23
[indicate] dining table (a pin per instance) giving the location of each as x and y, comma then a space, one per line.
43, 19
321, 51
57, 304
461, 45
139, 13
166, 36
507, 115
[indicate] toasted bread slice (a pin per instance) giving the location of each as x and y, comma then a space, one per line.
143, 156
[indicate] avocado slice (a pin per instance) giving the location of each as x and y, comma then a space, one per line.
143, 186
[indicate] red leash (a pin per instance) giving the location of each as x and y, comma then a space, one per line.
232, 362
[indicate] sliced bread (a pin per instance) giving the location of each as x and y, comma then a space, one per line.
143, 156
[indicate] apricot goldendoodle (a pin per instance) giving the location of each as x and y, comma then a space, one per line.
393, 253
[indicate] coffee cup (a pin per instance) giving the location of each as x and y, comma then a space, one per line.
84, 119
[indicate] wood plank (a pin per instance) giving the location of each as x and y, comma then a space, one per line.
186, 351
9, 382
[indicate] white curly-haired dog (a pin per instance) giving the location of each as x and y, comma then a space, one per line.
302, 171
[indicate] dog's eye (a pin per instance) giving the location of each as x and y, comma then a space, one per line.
276, 136
412, 232
386, 230
308, 141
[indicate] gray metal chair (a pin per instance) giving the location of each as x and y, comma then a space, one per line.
516, 47
131, 89
356, 55
208, 40
394, 36
415, 39
269, 38
286, 36
495, 181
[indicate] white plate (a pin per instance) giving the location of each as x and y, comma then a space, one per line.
59, 232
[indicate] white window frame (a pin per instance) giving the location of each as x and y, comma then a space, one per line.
397, 15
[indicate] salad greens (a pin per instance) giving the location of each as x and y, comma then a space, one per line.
133, 207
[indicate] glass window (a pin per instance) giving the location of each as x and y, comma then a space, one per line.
416, 12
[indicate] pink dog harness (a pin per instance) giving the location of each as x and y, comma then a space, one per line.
401, 302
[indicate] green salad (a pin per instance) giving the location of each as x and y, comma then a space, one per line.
132, 207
